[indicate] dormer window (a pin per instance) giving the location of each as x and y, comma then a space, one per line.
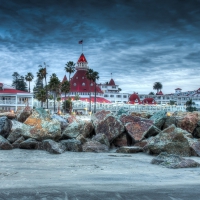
83, 77
91, 84
77, 77
74, 84
83, 84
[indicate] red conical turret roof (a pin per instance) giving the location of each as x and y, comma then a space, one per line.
82, 59
64, 79
112, 82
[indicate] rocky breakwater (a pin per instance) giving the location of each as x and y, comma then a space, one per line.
151, 133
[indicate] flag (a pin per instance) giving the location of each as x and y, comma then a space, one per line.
80, 42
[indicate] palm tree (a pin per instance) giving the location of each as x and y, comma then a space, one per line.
151, 93
65, 87
89, 76
70, 68
29, 77
157, 86
95, 77
189, 106
41, 96
54, 86
42, 74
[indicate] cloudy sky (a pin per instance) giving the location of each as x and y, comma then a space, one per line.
139, 41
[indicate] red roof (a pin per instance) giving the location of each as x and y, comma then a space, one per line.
134, 98
98, 99
64, 79
149, 101
159, 93
112, 82
178, 89
12, 91
79, 83
82, 59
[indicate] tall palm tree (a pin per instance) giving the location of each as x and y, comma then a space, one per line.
41, 96
157, 86
42, 74
54, 86
89, 76
65, 87
95, 77
29, 77
70, 68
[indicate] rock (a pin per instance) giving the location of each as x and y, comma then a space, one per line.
53, 147
169, 121
111, 127
194, 146
4, 144
129, 150
22, 115
170, 140
5, 126
72, 145
141, 143
29, 144
42, 127
128, 118
74, 129
71, 119
145, 115
14, 135
121, 111
100, 116
63, 122
173, 161
18, 142
138, 127
121, 140
196, 132
94, 146
159, 118
81, 139
186, 120
9, 115
102, 139
152, 131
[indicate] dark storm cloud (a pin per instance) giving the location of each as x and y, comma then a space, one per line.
140, 41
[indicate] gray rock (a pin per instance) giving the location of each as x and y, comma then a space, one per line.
129, 149
169, 121
173, 161
53, 147
5, 126
18, 142
4, 144
29, 144
196, 132
14, 135
94, 146
63, 122
72, 145
159, 118
102, 139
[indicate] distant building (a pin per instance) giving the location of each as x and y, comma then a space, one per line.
11, 99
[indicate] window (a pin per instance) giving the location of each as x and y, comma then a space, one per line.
124, 96
77, 77
91, 84
74, 84
111, 95
83, 77
118, 96
83, 84
105, 95
113, 86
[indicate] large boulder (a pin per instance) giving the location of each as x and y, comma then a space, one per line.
100, 116
73, 130
110, 126
72, 145
29, 144
17, 143
146, 115
194, 145
169, 121
196, 132
9, 115
42, 127
186, 120
14, 135
23, 114
170, 140
122, 140
102, 139
63, 122
159, 118
126, 149
5, 126
94, 146
53, 147
173, 161
4, 144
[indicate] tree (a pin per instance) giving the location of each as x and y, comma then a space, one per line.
95, 78
89, 76
70, 68
189, 106
29, 77
41, 96
151, 93
65, 87
54, 86
38, 86
67, 104
42, 74
119, 89
157, 86
16, 76
171, 103
19, 82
